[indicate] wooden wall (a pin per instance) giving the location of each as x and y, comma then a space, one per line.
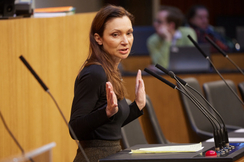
55, 48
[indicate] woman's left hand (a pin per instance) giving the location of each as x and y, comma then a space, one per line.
140, 91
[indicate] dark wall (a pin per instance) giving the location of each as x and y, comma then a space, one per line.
141, 9
226, 13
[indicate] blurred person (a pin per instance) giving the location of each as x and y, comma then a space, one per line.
169, 32
198, 19
99, 108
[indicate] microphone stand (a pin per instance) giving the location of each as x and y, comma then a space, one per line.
198, 105
218, 131
15, 140
223, 53
47, 90
207, 57
223, 134
181, 82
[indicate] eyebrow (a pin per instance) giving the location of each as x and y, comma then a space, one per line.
131, 29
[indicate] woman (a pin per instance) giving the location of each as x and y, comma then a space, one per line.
99, 109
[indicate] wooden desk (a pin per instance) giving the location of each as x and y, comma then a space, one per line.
124, 155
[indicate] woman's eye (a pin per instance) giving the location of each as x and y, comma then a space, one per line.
115, 34
130, 33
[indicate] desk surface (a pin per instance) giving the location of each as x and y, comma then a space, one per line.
171, 157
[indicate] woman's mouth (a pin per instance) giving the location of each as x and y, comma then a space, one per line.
124, 50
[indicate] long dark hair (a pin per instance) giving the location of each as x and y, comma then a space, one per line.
97, 55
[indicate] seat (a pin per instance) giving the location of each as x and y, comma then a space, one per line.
225, 102
198, 121
160, 138
241, 89
132, 133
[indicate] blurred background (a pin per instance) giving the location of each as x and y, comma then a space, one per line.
226, 13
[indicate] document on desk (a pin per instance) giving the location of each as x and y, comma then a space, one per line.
239, 130
167, 149
231, 139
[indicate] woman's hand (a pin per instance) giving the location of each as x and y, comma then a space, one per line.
112, 106
140, 91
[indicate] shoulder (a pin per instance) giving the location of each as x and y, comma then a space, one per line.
185, 31
153, 38
93, 72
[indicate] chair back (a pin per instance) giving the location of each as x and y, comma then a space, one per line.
199, 123
154, 122
225, 102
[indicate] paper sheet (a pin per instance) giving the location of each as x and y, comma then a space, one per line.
238, 139
239, 131
174, 148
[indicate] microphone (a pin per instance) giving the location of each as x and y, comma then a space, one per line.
207, 57
15, 140
160, 78
60, 111
223, 53
223, 131
198, 105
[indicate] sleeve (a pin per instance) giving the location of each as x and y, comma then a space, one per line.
188, 31
192, 33
84, 117
135, 112
159, 51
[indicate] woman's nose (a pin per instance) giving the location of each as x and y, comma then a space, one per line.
124, 40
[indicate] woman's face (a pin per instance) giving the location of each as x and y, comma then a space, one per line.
117, 38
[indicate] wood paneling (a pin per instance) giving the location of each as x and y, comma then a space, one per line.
133, 63
55, 48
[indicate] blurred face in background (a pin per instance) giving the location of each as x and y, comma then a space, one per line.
200, 19
161, 24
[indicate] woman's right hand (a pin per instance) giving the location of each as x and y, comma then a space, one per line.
112, 106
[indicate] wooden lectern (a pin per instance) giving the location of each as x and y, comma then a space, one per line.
41, 154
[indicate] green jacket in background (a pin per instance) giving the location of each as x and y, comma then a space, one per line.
159, 49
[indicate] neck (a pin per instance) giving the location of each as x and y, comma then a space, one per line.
116, 62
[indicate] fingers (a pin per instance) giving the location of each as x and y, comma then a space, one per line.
111, 97
140, 95
141, 84
107, 91
138, 78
